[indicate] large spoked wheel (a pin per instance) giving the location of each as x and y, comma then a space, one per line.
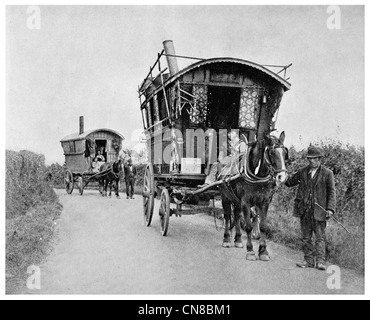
80, 184
148, 194
165, 211
68, 181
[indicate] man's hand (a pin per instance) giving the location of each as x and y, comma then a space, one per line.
329, 214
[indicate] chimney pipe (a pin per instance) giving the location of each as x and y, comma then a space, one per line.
169, 49
82, 125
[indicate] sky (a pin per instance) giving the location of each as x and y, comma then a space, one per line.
89, 60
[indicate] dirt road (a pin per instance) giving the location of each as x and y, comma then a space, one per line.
103, 247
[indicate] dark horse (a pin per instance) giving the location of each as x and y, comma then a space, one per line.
263, 169
112, 176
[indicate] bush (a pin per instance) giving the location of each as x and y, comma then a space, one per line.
55, 175
25, 182
348, 164
31, 210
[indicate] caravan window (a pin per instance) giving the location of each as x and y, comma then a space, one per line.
72, 147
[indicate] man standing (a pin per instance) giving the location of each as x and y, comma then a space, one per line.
314, 204
130, 177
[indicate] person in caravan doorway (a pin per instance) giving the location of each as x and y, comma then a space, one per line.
99, 160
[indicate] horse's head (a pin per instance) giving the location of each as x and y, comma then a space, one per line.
276, 156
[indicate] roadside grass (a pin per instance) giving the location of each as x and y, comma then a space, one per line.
342, 249
32, 209
29, 240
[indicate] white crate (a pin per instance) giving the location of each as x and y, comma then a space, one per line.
191, 165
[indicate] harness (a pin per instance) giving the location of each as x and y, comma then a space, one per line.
116, 175
269, 162
251, 177
248, 176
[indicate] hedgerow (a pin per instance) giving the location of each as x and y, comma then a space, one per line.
31, 211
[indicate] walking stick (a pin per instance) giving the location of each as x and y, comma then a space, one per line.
335, 220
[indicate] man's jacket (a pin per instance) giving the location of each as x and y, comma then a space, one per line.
130, 174
323, 192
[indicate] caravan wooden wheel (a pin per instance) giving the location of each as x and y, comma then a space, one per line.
148, 194
165, 211
68, 181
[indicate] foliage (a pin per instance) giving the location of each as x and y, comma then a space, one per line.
55, 175
348, 164
31, 210
25, 182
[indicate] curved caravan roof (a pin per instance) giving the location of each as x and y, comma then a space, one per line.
256, 66
76, 136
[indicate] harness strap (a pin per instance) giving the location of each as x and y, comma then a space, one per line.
268, 160
249, 176
115, 174
251, 180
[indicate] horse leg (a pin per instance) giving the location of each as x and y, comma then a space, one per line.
262, 252
251, 255
238, 242
106, 187
101, 186
117, 189
103, 193
226, 204
110, 189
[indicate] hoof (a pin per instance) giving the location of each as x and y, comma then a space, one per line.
251, 256
118, 197
239, 245
226, 244
264, 257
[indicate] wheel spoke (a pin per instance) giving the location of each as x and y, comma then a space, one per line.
148, 194
164, 211
68, 181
